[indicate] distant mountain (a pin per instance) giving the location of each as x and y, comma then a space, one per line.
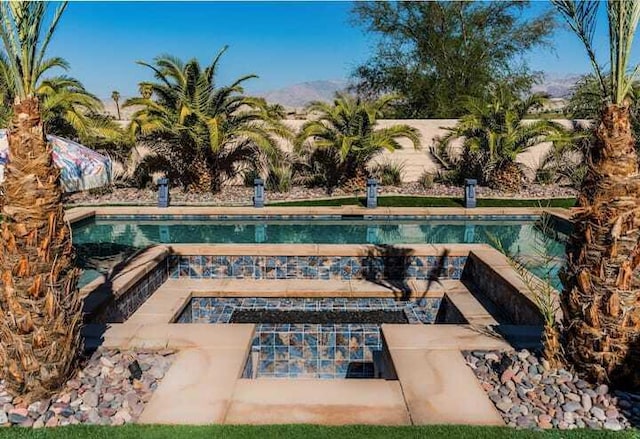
299, 95
557, 86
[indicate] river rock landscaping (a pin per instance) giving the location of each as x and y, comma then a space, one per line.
528, 393
103, 392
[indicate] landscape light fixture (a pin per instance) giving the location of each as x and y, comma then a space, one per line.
135, 370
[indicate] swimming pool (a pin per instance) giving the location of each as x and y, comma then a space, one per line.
521, 236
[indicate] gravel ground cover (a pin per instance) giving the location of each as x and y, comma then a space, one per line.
528, 393
102, 393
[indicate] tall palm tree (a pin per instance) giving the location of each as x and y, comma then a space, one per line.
494, 135
601, 279
67, 107
41, 310
115, 95
146, 90
205, 130
69, 110
342, 139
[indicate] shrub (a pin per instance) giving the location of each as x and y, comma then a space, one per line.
577, 176
279, 178
493, 134
449, 177
388, 172
426, 180
249, 176
545, 176
343, 138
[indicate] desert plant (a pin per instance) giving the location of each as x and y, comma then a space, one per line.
565, 159
39, 301
115, 95
133, 165
67, 108
249, 176
455, 166
389, 172
493, 135
601, 295
279, 177
577, 176
205, 132
541, 288
342, 139
426, 180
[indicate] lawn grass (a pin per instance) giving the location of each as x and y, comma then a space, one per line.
412, 201
306, 431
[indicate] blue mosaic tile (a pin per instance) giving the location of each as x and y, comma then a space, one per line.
310, 350
122, 308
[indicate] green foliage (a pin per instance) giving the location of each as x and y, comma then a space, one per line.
66, 106
203, 131
493, 135
426, 180
342, 139
249, 176
69, 110
388, 172
564, 162
541, 288
433, 53
279, 177
21, 21
587, 100
623, 17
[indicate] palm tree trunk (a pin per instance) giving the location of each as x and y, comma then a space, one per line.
601, 279
203, 182
507, 177
41, 309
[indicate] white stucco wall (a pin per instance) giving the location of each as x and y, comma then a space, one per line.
416, 161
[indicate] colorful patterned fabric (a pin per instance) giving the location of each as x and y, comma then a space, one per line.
81, 168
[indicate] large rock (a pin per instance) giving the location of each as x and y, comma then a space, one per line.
571, 406
90, 399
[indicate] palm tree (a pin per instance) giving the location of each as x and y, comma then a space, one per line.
115, 95
146, 90
601, 279
343, 139
39, 301
493, 136
205, 131
67, 108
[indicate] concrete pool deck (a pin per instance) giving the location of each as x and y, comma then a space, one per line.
204, 384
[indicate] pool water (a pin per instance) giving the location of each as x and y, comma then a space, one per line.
522, 238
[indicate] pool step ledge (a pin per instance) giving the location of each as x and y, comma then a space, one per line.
199, 386
438, 386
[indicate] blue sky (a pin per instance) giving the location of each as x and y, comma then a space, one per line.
283, 42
